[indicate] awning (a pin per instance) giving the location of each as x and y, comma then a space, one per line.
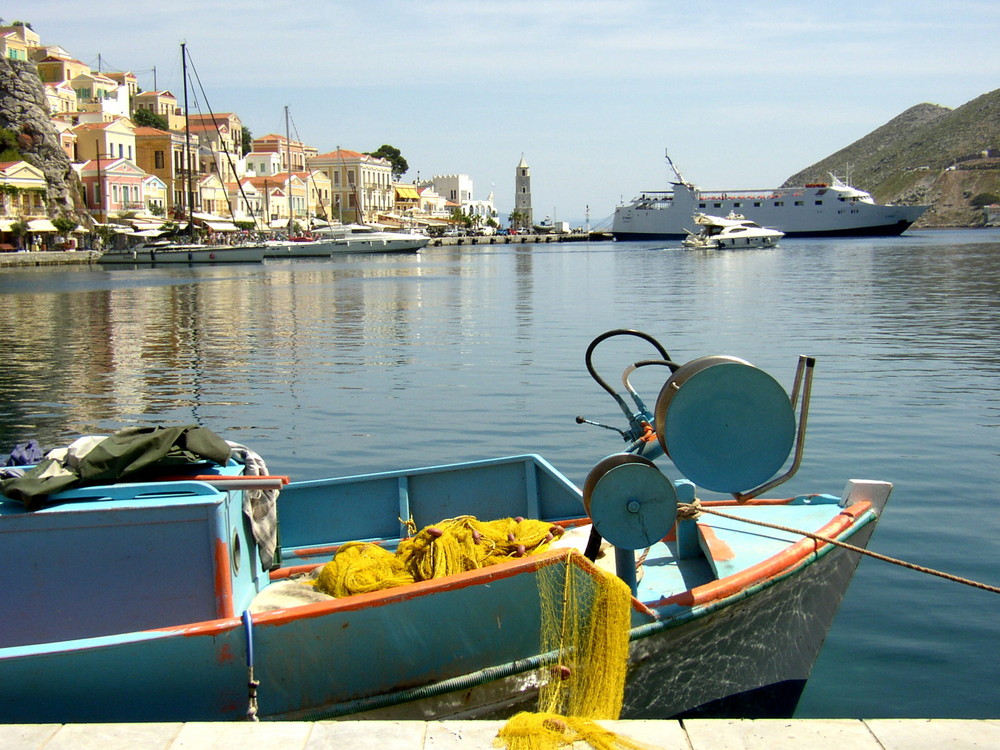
221, 226
407, 193
5, 225
40, 225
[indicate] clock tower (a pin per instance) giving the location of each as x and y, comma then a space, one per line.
522, 194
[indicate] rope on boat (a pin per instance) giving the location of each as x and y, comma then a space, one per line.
693, 510
252, 684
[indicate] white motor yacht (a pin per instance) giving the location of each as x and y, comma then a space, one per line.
733, 231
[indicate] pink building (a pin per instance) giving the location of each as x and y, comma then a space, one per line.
113, 187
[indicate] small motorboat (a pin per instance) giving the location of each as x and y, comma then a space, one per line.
733, 231
163, 574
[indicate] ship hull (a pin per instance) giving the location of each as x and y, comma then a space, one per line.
818, 211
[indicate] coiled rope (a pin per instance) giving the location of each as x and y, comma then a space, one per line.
691, 511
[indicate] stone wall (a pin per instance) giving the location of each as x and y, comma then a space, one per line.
24, 111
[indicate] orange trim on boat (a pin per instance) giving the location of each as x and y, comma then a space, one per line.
771, 568
717, 548
223, 583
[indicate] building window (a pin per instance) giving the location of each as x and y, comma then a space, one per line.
819, 203
158, 160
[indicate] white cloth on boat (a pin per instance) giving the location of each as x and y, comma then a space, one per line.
260, 506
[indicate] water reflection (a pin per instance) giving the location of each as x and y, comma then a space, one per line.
376, 362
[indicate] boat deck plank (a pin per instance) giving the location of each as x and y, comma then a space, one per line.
695, 734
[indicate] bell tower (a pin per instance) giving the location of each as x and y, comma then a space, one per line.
522, 193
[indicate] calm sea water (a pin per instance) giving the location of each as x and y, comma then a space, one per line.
369, 363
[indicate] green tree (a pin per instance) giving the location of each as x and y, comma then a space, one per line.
985, 199
247, 137
8, 146
394, 157
19, 229
146, 119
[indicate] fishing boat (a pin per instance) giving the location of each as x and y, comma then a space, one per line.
164, 594
732, 231
833, 209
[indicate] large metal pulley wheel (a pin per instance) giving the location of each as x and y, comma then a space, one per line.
726, 425
631, 503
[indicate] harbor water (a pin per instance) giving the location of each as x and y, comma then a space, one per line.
375, 362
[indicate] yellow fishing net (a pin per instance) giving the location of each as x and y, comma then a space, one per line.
452, 546
586, 616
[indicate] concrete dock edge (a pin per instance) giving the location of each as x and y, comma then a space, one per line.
695, 734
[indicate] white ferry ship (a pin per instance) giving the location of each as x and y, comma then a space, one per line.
814, 210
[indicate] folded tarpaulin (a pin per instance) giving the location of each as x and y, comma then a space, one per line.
99, 460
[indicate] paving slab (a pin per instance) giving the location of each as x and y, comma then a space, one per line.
934, 734
779, 734
245, 735
367, 735
690, 734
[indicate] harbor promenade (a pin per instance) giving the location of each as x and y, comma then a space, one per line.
694, 734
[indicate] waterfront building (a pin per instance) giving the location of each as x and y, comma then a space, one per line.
67, 138
12, 45
161, 103
155, 195
22, 199
61, 97
161, 153
522, 194
18, 35
319, 198
292, 155
112, 187
263, 163
361, 185
458, 189
246, 202
220, 141
114, 139
433, 204
56, 69
210, 195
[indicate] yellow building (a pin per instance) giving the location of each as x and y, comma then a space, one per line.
161, 103
361, 185
22, 199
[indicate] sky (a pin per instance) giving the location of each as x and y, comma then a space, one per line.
592, 93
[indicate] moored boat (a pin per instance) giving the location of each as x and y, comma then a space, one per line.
732, 231
299, 247
813, 210
157, 252
365, 238
106, 621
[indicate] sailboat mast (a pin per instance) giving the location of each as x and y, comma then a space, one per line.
288, 158
188, 194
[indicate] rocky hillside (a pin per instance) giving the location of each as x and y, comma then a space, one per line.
24, 113
927, 155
